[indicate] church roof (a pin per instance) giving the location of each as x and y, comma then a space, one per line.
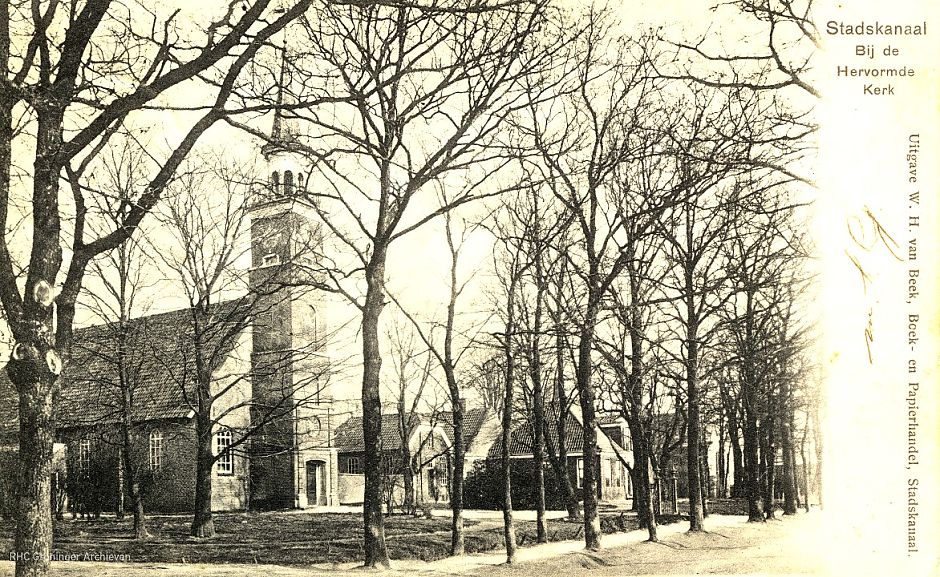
160, 362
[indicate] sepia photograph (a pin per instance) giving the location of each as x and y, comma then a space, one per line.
469, 287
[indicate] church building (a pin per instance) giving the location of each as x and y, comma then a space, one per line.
273, 417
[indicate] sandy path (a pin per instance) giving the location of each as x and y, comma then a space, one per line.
730, 547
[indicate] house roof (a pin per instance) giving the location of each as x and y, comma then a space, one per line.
608, 419
348, 436
522, 436
473, 420
160, 362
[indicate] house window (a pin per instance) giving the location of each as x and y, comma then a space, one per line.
84, 455
156, 450
270, 259
353, 466
580, 477
226, 462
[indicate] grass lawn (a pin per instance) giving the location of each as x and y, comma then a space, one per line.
723, 506
290, 538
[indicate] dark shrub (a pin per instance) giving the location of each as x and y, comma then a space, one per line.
483, 487
93, 491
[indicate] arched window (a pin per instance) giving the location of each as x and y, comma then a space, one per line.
275, 182
288, 183
156, 450
223, 442
84, 455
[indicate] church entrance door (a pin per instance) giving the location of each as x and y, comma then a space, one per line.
315, 483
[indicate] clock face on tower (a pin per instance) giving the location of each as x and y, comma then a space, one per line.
273, 240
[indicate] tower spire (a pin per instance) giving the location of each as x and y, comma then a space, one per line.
277, 127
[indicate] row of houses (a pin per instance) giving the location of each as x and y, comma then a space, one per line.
88, 454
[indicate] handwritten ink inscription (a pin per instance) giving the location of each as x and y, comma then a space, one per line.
868, 236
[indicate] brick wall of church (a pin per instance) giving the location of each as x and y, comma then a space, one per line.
169, 488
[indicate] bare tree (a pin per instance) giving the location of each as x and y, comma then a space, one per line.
559, 295
601, 103
509, 274
121, 280
74, 73
692, 233
528, 232
412, 378
647, 188
427, 89
723, 138
222, 304
536, 244
763, 253
780, 57
448, 352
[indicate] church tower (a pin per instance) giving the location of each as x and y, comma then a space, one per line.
292, 463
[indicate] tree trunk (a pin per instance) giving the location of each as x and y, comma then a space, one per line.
560, 465
538, 410
592, 525
374, 547
538, 396
410, 506
649, 514
721, 490
752, 465
803, 461
456, 493
140, 520
640, 495
634, 504
789, 473
133, 482
203, 525
640, 434
693, 434
35, 364
705, 476
119, 509
538, 455
509, 529
770, 456
34, 480
739, 484
563, 476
